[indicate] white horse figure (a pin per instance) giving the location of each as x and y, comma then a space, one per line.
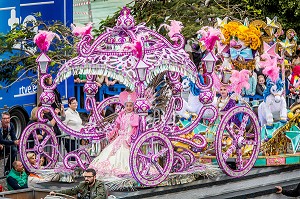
274, 105
193, 105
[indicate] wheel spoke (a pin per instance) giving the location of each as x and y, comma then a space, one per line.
243, 124
29, 150
38, 159
142, 155
239, 159
48, 156
151, 145
45, 140
36, 140
159, 168
229, 152
230, 131
160, 153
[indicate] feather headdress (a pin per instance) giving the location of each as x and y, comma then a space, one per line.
43, 39
127, 97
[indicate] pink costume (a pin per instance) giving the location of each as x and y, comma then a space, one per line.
114, 159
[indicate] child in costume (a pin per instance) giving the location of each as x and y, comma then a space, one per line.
224, 102
261, 86
114, 159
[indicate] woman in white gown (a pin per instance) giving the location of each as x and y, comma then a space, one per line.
114, 159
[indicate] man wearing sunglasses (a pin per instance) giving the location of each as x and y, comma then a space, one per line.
90, 188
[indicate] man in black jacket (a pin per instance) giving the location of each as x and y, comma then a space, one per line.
8, 140
291, 193
90, 188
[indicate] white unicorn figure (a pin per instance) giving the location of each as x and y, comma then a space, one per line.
193, 105
273, 108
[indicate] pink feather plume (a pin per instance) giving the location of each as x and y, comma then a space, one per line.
135, 47
239, 80
209, 35
43, 39
272, 72
81, 31
174, 28
270, 66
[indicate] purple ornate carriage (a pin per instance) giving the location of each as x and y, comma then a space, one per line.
149, 54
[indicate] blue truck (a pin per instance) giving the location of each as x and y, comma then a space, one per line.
21, 97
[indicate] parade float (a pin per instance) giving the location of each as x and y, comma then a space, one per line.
257, 46
176, 136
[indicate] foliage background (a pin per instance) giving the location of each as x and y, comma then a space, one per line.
195, 14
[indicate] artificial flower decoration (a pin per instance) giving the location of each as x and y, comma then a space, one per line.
209, 36
239, 80
43, 39
174, 28
81, 31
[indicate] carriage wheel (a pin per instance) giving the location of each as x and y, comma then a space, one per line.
47, 147
241, 126
151, 158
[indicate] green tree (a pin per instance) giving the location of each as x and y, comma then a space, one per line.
195, 14
287, 11
17, 45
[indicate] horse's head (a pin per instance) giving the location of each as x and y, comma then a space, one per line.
275, 89
186, 84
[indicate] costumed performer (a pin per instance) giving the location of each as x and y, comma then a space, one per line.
114, 159
223, 103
